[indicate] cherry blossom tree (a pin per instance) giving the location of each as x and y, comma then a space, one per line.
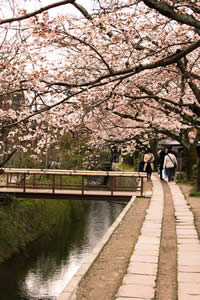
127, 70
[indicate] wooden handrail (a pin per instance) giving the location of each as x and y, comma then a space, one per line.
72, 172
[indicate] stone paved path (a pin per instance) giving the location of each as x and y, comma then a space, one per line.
188, 255
140, 281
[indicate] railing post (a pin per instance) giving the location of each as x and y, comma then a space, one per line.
142, 182
82, 185
61, 181
112, 185
24, 179
34, 180
53, 186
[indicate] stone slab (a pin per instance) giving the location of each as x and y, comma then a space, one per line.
184, 226
189, 269
186, 231
188, 260
144, 258
151, 226
151, 234
187, 241
142, 268
187, 236
189, 277
146, 246
189, 288
149, 240
192, 248
189, 221
136, 291
145, 252
132, 298
144, 280
150, 230
182, 296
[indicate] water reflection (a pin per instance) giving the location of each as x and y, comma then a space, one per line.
50, 264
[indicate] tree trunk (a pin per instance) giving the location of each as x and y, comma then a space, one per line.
154, 148
198, 174
8, 157
190, 157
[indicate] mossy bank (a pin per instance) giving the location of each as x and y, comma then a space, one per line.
24, 221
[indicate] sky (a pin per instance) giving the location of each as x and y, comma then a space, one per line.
8, 7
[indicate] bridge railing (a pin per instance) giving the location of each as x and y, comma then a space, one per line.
73, 180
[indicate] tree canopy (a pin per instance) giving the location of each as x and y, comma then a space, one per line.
126, 70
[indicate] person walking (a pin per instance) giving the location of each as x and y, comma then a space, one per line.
170, 163
114, 154
148, 163
161, 157
141, 161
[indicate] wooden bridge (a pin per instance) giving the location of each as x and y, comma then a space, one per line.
71, 184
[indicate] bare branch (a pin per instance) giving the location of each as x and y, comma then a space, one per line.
41, 10
82, 10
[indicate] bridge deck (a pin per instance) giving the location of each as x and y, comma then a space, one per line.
66, 192
70, 194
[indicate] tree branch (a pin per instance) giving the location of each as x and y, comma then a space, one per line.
8, 156
169, 60
167, 10
41, 10
82, 10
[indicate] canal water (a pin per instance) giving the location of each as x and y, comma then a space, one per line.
45, 269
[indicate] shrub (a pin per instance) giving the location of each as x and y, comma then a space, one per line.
194, 194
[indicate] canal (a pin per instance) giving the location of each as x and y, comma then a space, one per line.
45, 269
